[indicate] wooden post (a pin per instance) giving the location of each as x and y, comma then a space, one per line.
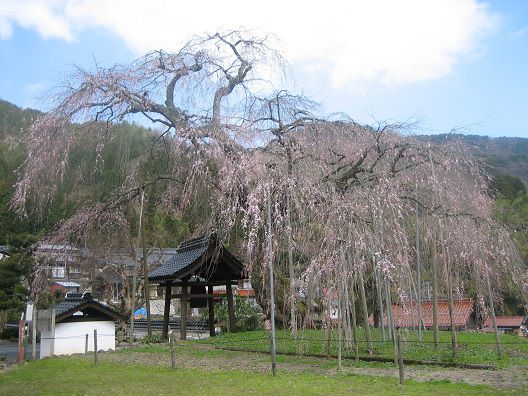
21, 335
231, 308
173, 352
166, 310
210, 304
86, 344
183, 310
95, 346
400, 357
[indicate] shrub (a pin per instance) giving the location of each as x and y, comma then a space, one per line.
248, 315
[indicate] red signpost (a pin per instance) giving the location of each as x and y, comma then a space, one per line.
21, 335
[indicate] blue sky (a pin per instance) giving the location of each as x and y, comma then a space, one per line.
450, 64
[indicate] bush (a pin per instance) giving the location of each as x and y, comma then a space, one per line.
248, 315
152, 339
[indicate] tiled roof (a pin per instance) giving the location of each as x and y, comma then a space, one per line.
72, 301
80, 301
188, 253
505, 321
407, 316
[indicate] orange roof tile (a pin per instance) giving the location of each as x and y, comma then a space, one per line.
505, 321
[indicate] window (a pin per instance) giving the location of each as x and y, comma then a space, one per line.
57, 272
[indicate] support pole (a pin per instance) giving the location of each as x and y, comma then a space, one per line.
172, 351
210, 305
494, 319
231, 308
52, 331
86, 344
133, 305
34, 333
183, 327
95, 347
146, 283
418, 270
272, 292
166, 310
400, 358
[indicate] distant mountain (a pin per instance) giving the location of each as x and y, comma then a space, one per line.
13, 120
505, 155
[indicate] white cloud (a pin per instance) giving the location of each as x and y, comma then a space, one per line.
349, 42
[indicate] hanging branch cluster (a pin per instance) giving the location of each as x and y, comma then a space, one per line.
343, 195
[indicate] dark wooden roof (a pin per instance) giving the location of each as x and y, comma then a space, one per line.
203, 257
75, 302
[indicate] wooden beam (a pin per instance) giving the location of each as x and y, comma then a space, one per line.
183, 303
166, 311
206, 283
202, 295
210, 303
231, 308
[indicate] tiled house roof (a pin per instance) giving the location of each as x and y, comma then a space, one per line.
510, 322
407, 316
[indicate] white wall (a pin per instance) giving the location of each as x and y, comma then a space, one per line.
70, 337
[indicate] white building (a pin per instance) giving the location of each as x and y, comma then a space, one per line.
65, 331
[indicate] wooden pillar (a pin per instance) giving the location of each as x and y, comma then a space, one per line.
210, 304
231, 307
166, 310
183, 310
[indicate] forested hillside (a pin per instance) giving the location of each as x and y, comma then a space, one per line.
505, 155
102, 171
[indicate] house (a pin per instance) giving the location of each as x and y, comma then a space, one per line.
65, 286
64, 327
506, 324
406, 316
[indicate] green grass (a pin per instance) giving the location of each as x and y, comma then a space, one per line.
76, 375
473, 347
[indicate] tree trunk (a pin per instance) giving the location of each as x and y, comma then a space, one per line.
361, 286
353, 316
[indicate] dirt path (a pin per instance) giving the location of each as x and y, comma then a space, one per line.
208, 358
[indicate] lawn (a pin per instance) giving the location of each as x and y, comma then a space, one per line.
473, 347
78, 375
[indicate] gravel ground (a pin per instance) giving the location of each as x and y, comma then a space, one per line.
208, 358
